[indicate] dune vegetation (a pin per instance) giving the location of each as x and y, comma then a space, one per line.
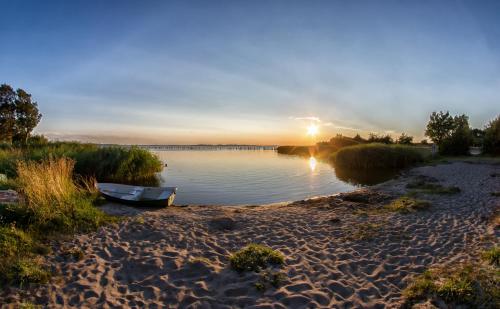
376, 155
52, 204
105, 164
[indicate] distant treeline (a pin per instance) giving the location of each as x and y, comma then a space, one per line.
451, 134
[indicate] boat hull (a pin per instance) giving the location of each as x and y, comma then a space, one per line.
137, 196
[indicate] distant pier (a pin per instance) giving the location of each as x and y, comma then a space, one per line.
202, 147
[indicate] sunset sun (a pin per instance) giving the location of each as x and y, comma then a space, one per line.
312, 130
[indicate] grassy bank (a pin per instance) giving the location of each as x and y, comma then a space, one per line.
52, 204
106, 164
317, 151
372, 156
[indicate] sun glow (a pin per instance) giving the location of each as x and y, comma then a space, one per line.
312, 130
312, 163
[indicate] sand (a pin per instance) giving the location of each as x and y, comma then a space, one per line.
337, 254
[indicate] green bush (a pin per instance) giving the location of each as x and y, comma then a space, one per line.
432, 188
106, 164
472, 285
368, 156
492, 137
255, 257
8, 161
492, 256
25, 271
406, 204
117, 164
306, 151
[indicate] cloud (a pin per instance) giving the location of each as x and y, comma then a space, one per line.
311, 118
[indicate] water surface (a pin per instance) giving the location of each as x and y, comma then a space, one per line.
240, 177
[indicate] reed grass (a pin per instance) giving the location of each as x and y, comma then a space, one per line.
373, 156
107, 164
52, 203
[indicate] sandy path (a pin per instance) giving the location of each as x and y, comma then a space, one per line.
152, 261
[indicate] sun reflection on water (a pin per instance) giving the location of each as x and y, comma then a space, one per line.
312, 163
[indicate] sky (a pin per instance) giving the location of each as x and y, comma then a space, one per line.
250, 72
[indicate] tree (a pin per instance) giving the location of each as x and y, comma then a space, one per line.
459, 140
358, 138
384, 139
19, 115
405, 139
7, 113
492, 137
440, 126
27, 116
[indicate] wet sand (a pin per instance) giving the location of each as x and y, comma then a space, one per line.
340, 253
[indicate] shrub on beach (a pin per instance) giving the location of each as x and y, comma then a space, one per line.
492, 137
52, 198
51, 203
492, 256
255, 257
368, 156
17, 264
472, 285
406, 204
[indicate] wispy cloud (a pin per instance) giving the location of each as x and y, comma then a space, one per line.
310, 118
331, 124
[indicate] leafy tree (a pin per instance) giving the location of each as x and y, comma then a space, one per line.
477, 137
342, 141
459, 140
384, 139
492, 137
440, 126
19, 115
7, 113
358, 138
424, 142
37, 140
27, 116
405, 139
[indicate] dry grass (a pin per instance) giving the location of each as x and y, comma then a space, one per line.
48, 187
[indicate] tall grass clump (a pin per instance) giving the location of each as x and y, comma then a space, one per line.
372, 156
51, 204
107, 164
461, 286
53, 199
117, 164
8, 161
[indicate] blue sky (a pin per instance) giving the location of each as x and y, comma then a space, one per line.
250, 71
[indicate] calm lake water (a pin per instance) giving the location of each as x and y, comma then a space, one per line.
235, 177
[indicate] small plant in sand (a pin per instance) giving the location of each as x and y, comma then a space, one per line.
407, 204
270, 278
199, 260
492, 256
29, 305
255, 257
497, 193
26, 271
367, 231
468, 284
74, 253
432, 188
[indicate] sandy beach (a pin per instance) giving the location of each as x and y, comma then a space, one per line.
339, 253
